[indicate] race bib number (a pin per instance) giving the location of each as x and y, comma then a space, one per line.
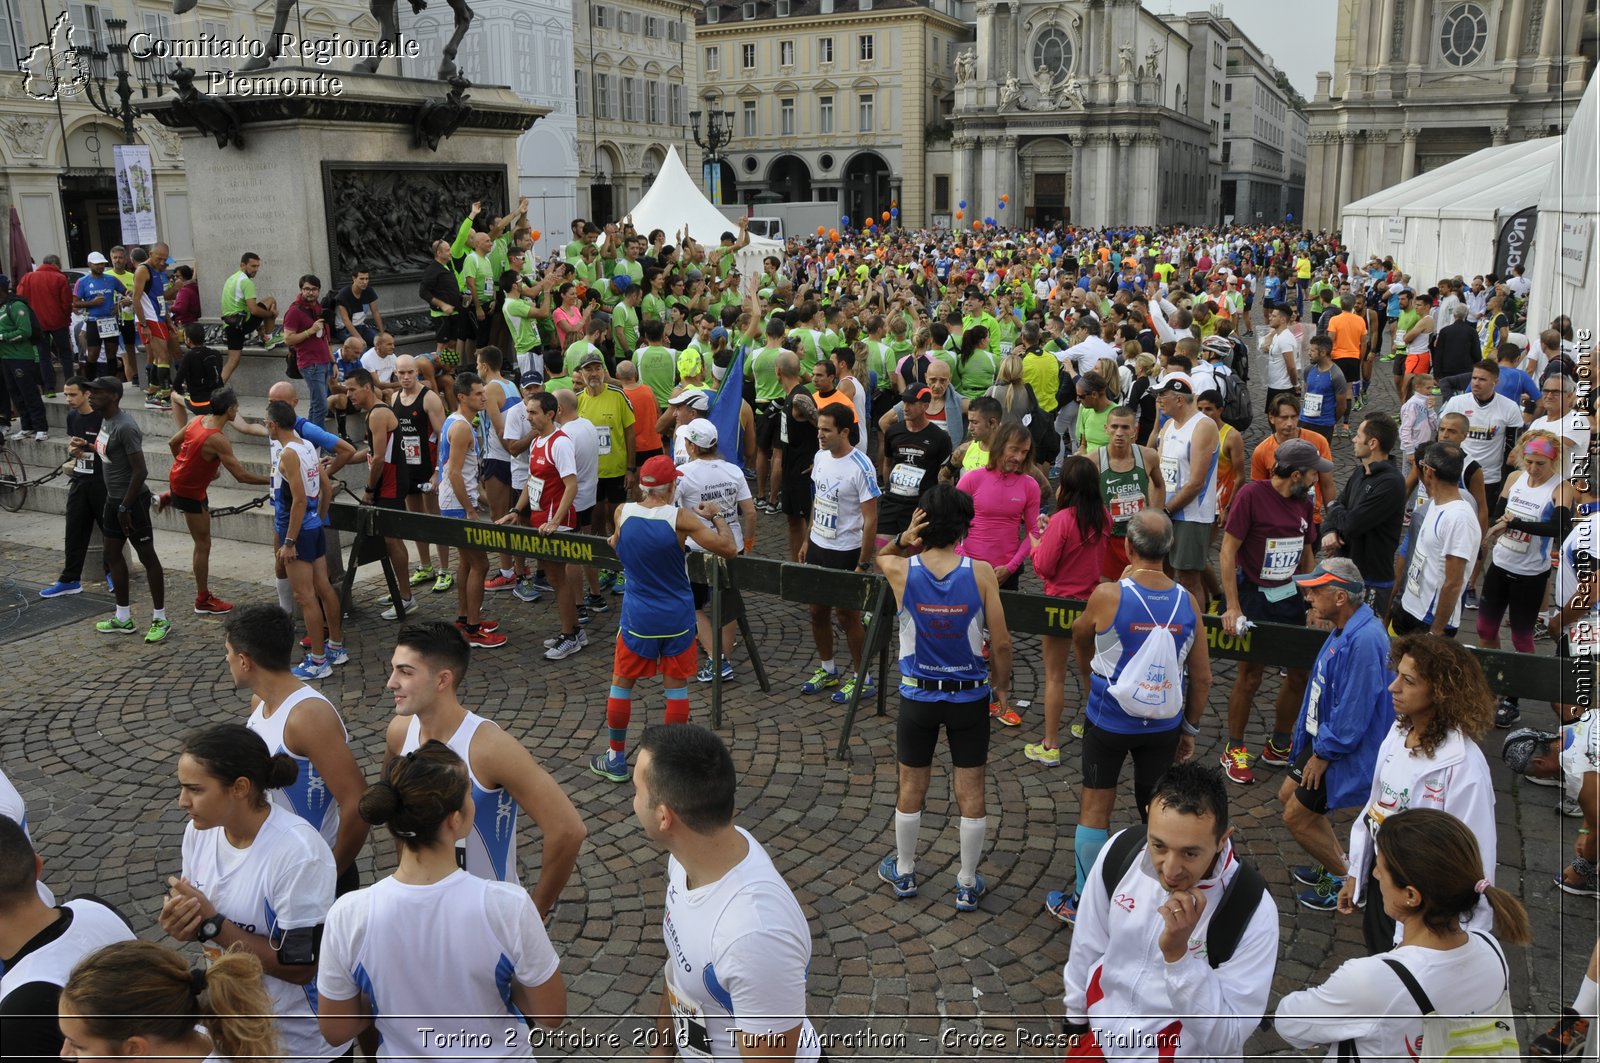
411, 450
1516, 541
604, 432
1169, 473
1583, 638
535, 494
83, 466
689, 1029
1312, 405
1005, 349
107, 327
100, 443
1313, 701
1414, 576
1280, 558
825, 517
905, 480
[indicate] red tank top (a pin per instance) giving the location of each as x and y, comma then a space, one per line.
191, 474
545, 484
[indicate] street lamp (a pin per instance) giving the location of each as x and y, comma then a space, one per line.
718, 132
100, 93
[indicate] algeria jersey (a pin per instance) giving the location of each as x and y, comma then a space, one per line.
490, 851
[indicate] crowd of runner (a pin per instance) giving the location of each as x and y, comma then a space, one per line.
949, 410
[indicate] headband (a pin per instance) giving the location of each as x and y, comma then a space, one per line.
1542, 447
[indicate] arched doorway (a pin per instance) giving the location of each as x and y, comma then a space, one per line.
1046, 165
866, 187
89, 206
790, 179
603, 191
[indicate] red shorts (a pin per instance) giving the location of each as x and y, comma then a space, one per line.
1419, 363
1116, 558
630, 665
150, 331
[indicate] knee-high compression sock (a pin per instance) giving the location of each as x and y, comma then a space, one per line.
1587, 999
285, 597
678, 704
972, 833
619, 710
907, 825
1086, 845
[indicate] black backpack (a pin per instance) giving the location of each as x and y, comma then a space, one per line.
1239, 900
1236, 407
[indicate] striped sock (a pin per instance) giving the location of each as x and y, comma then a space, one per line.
619, 709
678, 704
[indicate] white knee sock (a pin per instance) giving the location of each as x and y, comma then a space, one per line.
972, 835
1588, 998
907, 825
285, 597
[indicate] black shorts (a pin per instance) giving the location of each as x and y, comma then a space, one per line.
612, 490
642, 456
838, 560
187, 505
497, 469
233, 335
398, 502
1314, 800
447, 327
417, 479
1522, 595
1152, 752
767, 415
479, 329
965, 723
1351, 368
732, 602
140, 530
93, 341
1257, 609
796, 495
1403, 623
583, 518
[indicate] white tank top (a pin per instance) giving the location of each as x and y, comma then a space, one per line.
1175, 440
309, 797
93, 926
469, 467
490, 851
1517, 552
494, 447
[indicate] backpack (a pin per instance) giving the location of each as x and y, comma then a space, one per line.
1150, 686
35, 330
1240, 897
1237, 410
1488, 1035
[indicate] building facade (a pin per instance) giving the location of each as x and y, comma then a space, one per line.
637, 76
837, 100
1418, 83
1263, 139
1093, 112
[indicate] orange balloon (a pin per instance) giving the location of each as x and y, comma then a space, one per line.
960, 214
833, 234
885, 215
822, 230
977, 224
1005, 199
536, 234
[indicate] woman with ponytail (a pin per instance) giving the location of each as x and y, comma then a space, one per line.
1429, 874
137, 998
431, 916
256, 877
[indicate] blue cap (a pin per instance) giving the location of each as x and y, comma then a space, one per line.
622, 281
718, 333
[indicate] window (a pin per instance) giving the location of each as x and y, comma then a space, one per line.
629, 112
749, 118
824, 114
1227, 121
783, 8
1052, 53
652, 26
674, 31
1227, 93
652, 102
713, 60
602, 16
825, 50
1463, 34
1227, 151
941, 192
865, 47
786, 53
786, 116
602, 95
748, 55
675, 104
713, 13
749, 11
864, 122
578, 93
12, 42
86, 25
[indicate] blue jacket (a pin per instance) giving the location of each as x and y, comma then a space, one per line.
1347, 702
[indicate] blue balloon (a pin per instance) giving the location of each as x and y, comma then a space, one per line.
962, 204
844, 219
988, 221
894, 212
1002, 204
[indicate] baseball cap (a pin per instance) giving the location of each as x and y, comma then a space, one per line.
1298, 455
622, 282
916, 393
690, 362
1178, 382
592, 358
658, 472
702, 433
718, 333
1522, 745
105, 383
97, 259
694, 398
1337, 572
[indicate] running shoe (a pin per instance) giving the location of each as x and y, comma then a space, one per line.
159, 629
1570, 808
485, 639
393, 613
1564, 1040
1308, 874
500, 583
566, 646
210, 603
335, 653
596, 603
61, 587
1324, 896
847, 689
1236, 764
484, 624
20, 434
110, 587
423, 575
606, 577
1038, 753
1062, 905
1076, 729
44, 437
541, 584
273, 340
311, 668
49, 394
620, 584
705, 674
153, 402
583, 638
1507, 712
1388, 357
967, 896
117, 627
612, 766
1589, 887
525, 591
445, 582
583, 616
1469, 599
820, 680
1273, 756
1540, 780
1009, 717
889, 871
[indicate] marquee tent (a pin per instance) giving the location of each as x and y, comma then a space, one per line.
1453, 220
1563, 269
674, 200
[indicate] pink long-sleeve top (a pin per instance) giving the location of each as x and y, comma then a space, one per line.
1005, 512
1069, 566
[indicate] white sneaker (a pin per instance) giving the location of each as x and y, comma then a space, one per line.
392, 613
20, 433
565, 647
41, 437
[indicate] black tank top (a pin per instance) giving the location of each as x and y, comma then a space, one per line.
416, 448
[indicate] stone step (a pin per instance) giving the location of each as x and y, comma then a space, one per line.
252, 453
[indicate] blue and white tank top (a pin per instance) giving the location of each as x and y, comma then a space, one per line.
1175, 440
490, 851
310, 479
658, 610
469, 467
489, 441
941, 632
309, 796
1117, 644
1520, 553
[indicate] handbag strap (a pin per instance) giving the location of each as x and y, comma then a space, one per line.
1412, 985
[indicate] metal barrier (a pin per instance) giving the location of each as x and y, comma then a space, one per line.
1278, 645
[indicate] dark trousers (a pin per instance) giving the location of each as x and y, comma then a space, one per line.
57, 347
22, 386
1377, 929
86, 500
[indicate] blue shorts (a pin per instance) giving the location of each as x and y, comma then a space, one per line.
309, 545
458, 514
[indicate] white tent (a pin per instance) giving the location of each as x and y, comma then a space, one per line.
674, 201
1447, 221
1563, 269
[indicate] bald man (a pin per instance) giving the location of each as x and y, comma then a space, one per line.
420, 412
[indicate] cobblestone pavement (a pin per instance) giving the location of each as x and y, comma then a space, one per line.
91, 728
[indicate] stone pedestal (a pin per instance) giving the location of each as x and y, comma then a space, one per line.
285, 195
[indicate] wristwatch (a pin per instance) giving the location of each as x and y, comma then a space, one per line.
209, 929
288, 542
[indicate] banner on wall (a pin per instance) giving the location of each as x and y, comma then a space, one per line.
1516, 241
136, 193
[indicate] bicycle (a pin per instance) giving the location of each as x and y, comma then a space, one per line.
13, 480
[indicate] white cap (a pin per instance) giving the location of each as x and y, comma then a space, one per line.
702, 433
97, 259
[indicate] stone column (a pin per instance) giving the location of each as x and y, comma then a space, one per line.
1550, 32
1386, 43
1421, 29
1499, 134
1005, 181
1376, 160
960, 169
1511, 40
1075, 199
1408, 156
987, 176
1122, 199
1347, 171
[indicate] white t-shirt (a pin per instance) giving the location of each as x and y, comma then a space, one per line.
1580, 752
1278, 373
283, 881
12, 808
1450, 530
714, 480
841, 485
517, 425
93, 926
1574, 428
379, 366
471, 935
1486, 432
738, 952
586, 459
1087, 355
1583, 539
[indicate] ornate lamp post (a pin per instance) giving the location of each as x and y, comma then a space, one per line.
718, 132
116, 101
